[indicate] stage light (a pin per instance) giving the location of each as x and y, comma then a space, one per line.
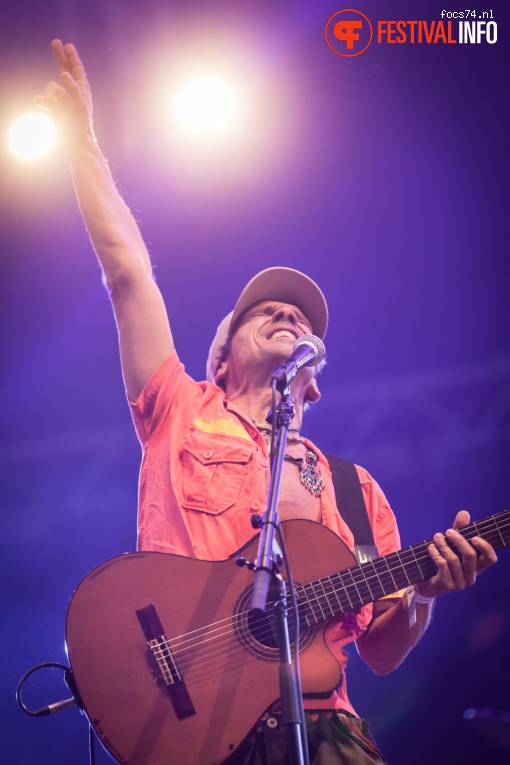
205, 105
31, 136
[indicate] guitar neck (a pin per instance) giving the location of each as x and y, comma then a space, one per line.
354, 587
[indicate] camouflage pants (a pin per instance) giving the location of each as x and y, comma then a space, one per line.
333, 739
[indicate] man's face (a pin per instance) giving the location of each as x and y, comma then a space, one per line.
264, 337
271, 328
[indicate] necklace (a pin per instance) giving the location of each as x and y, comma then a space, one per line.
266, 434
265, 429
308, 472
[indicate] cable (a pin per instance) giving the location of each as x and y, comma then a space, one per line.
59, 705
51, 708
92, 751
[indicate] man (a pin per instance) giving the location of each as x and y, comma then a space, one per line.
205, 464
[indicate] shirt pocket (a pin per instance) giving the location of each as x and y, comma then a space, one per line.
213, 469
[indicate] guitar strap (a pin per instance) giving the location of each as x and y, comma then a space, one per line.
351, 506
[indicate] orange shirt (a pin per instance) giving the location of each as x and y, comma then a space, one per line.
203, 475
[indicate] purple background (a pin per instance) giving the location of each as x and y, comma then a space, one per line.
385, 178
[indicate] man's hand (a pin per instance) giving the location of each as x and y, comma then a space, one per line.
70, 103
456, 569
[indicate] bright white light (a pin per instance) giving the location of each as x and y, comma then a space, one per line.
31, 136
205, 105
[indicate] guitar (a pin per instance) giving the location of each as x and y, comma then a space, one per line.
171, 669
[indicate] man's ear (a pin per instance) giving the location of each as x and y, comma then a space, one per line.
312, 393
220, 377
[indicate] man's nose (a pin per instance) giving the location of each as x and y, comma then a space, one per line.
285, 314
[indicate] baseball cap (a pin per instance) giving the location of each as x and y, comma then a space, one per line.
286, 285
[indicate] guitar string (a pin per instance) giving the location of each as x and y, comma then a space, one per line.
189, 664
195, 664
352, 587
214, 652
226, 637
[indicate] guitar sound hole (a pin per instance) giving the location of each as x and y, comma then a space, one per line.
258, 634
263, 628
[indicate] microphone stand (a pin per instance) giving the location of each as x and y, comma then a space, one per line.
268, 574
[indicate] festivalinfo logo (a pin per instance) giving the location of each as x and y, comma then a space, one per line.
349, 32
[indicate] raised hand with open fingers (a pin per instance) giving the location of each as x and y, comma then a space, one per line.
70, 102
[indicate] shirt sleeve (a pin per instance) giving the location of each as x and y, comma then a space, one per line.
153, 409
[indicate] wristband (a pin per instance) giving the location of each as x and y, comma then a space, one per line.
422, 599
413, 598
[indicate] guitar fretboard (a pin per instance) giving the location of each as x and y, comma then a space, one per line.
352, 588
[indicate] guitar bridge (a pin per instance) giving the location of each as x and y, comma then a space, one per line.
160, 648
164, 659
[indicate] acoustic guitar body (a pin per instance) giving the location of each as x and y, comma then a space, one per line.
226, 667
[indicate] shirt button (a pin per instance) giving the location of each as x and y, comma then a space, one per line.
271, 722
255, 506
263, 462
207, 454
252, 433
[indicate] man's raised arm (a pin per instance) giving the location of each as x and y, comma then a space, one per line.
144, 332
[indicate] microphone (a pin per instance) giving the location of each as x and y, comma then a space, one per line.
309, 351
52, 709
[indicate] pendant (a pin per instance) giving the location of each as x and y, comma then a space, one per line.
310, 476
